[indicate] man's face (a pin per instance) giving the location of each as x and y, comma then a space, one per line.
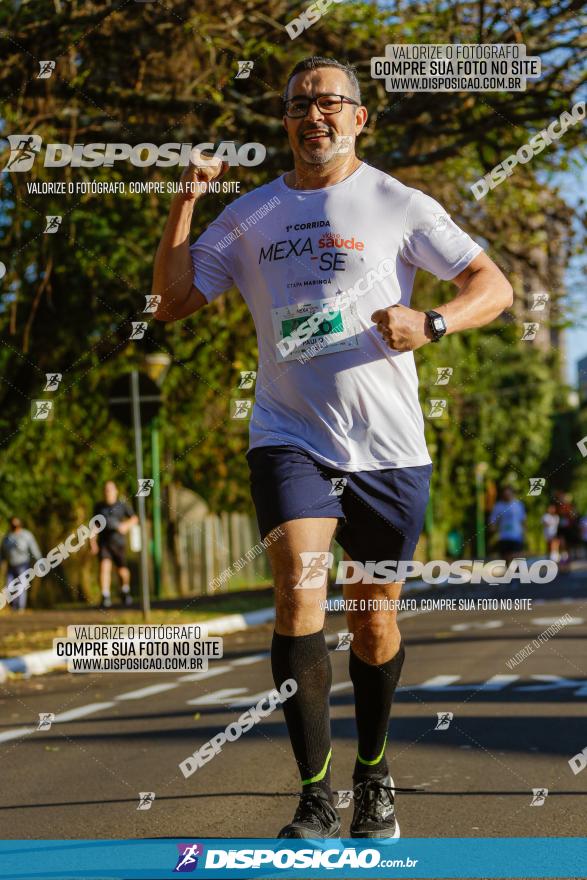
110, 493
317, 138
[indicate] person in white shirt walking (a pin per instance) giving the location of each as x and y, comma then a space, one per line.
550, 524
509, 519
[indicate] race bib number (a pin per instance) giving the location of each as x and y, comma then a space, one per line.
315, 328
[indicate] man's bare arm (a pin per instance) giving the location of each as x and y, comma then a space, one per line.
483, 294
126, 525
173, 270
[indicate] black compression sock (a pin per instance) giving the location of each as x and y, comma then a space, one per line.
306, 659
374, 689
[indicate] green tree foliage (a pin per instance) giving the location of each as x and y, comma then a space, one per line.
160, 72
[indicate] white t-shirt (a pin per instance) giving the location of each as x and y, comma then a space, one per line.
510, 517
346, 250
550, 525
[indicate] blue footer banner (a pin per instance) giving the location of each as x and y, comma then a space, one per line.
562, 857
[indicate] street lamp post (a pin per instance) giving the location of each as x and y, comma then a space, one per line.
480, 471
157, 367
138, 435
156, 495
142, 402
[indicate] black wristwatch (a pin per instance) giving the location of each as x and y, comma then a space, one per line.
437, 325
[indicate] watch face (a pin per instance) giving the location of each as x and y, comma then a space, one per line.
438, 324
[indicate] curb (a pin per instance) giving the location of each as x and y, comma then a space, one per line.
36, 663
41, 662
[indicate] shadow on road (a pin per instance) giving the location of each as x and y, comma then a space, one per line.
276, 794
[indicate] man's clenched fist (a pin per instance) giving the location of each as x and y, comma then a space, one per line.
402, 328
200, 171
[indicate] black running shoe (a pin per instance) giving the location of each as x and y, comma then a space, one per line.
105, 603
374, 814
315, 817
127, 600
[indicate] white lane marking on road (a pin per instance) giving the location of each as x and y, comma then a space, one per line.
147, 691
498, 682
437, 682
15, 734
248, 700
556, 682
80, 712
548, 621
218, 698
246, 661
480, 624
446, 683
341, 686
253, 699
62, 718
210, 673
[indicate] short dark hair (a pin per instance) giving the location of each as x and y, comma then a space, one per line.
315, 62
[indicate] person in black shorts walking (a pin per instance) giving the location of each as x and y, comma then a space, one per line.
110, 545
325, 257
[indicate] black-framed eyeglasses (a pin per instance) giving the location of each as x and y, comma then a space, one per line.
298, 106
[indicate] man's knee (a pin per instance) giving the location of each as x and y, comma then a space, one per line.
298, 618
298, 612
376, 637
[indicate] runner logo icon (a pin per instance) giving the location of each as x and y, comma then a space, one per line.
188, 857
23, 150
46, 68
146, 799
344, 642
152, 302
247, 379
46, 719
344, 799
52, 223
443, 375
537, 484
314, 571
444, 719
53, 380
338, 484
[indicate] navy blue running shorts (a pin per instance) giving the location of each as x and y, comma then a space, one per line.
380, 512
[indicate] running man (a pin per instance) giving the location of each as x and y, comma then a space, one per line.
111, 543
20, 551
340, 240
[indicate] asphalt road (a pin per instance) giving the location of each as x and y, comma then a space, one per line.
513, 730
